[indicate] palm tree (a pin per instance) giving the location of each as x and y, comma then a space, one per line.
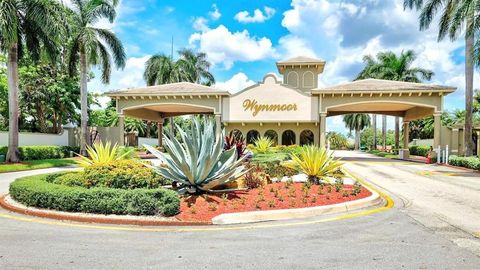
389, 66
357, 122
195, 67
455, 16
91, 46
190, 67
25, 27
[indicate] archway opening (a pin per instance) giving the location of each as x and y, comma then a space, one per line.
252, 136
272, 135
237, 134
306, 137
288, 137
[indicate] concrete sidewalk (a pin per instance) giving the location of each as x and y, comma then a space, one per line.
7, 178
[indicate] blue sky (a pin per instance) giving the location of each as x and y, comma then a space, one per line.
243, 39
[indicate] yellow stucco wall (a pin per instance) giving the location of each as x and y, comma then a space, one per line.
297, 129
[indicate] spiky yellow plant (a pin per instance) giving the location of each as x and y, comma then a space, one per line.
315, 162
103, 153
263, 145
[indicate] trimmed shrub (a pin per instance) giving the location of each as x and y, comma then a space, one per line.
37, 192
275, 169
419, 150
467, 162
74, 179
125, 174
36, 152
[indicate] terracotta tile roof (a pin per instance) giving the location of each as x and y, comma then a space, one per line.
181, 88
372, 85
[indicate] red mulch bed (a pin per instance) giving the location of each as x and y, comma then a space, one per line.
205, 207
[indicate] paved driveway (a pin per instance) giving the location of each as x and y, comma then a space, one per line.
450, 194
390, 239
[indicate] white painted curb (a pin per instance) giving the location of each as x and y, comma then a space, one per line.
282, 214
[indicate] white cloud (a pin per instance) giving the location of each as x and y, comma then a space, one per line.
130, 76
215, 13
225, 47
237, 83
258, 16
200, 24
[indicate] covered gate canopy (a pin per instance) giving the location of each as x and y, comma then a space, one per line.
404, 99
154, 103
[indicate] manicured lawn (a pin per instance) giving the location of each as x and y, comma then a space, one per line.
37, 164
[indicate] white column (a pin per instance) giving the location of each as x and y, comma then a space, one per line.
218, 124
160, 133
323, 127
121, 126
406, 134
437, 129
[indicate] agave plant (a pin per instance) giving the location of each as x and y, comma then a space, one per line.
236, 141
263, 144
197, 161
316, 163
104, 153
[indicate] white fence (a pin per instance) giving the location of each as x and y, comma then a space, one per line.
26, 138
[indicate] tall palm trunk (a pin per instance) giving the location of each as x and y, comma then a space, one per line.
357, 139
384, 132
397, 132
148, 131
468, 95
12, 70
83, 102
374, 128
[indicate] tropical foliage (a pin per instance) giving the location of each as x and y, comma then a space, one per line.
263, 145
356, 122
197, 161
458, 18
103, 153
26, 27
92, 46
337, 140
236, 141
316, 163
190, 67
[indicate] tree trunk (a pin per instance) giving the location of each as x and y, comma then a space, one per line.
468, 95
384, 132
374, 128
397, 132
149, 129
84, 136
357, 139
12, 74
42, 122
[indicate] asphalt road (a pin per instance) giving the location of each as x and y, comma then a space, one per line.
393, 239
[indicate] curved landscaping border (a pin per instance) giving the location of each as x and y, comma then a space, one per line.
283, 214
8, 203
376, 199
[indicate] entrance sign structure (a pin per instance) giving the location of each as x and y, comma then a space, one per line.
291, 111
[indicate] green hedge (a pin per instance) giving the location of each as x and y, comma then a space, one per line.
36, 152
467, 162
419, 150
37, 192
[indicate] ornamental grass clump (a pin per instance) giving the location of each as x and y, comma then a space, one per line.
263, 145
197, 161
316, 163
104, 153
